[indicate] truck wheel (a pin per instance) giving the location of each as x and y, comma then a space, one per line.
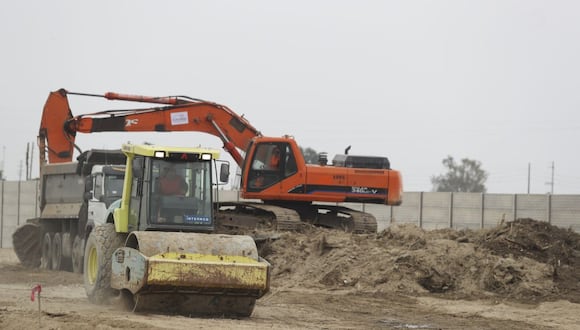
46, 256
78, 253
56, 252
101, 244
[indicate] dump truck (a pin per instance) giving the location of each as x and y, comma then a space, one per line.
158, 250
73, 198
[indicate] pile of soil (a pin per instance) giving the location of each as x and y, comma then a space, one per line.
523, 261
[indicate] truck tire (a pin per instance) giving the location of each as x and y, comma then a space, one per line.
46, 251
78, 253
101, 244
57, 252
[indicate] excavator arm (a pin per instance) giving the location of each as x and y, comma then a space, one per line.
177, 113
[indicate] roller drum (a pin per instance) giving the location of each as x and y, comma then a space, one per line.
190, 273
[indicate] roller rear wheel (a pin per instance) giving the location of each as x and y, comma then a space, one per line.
101, 244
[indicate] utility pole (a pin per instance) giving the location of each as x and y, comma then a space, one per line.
31, 159
551, 183
29, 153
27, 158
529, 172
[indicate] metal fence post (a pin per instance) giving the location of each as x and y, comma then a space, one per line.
2, 217
515, 208
18, 205
451, 210
482, 225
421, 209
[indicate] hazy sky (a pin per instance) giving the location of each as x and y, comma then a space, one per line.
495, 81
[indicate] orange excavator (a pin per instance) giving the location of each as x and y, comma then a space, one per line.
273, 169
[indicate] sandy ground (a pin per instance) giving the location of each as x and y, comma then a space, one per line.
518, 276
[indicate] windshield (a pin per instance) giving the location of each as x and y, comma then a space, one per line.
181, 192
114, 185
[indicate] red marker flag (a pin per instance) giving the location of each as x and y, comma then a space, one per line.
35, 290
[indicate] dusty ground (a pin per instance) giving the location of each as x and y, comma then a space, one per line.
520, 275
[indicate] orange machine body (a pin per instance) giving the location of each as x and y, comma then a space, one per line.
273, 168
295, 180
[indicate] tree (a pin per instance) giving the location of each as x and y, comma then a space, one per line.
310, 155
467, 176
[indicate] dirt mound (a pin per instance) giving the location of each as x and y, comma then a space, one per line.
557, 247
523, 261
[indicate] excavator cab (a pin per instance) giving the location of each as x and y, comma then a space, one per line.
271, 162
275, 172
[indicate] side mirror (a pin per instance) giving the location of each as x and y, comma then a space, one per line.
224, 172
88, 183
87, 194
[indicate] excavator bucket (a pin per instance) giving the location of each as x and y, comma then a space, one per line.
26, 241
193, 279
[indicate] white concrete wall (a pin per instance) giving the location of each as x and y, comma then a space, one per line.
430, 210
18, 202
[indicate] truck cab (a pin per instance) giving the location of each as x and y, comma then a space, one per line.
102, 188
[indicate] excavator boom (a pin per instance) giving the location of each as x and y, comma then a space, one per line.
180, 114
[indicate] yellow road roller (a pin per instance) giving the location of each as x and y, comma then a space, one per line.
157, 250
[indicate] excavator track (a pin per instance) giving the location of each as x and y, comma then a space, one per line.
286, 219
294, 217
26, 241
258, 216
347, 219
363, 222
